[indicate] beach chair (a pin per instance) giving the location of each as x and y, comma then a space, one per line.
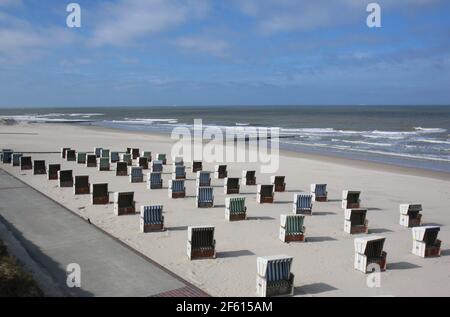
265, 194
121, 169
114, 158
319, 192
81, 157
152, 218
103, 164
105, 153
274, 277
99, 194
231, 186
136, 174
197, 166
350, 199
203, 178
65, 178
178, 161
161, 157
148, 155
63, 151
98, 152
220, 171
26, 163
124, 204
369, 254
71, 155
91, 160
16, 159
278, 183
81, 186
154, 180
179, 172
176, 188
235, 209
6, 156
205, 197
425, 241
135, 153
355, 221
39, 167
248, 178
410, 215
128, 151
53, 171
302, 204
157, 166
143, 162
127, 158
201, 243
291, 228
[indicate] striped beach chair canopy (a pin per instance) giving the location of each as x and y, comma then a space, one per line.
105, 153
124, 200
104, 162
235, 204
320, 190
205, 194
177, 185
65, 175
161, 157
98, 151
152, 214
274, 268
136, 171
157, 166
248, 174
16, 158
155, 177
180, 170
99, 190
147, 154
201, 237
303, 201
115, 156
232, 182
204, 177
294, 224
265, 190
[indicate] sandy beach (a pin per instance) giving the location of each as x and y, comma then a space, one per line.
323, 266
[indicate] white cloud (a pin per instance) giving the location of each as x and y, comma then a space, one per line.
204, 44
128, 20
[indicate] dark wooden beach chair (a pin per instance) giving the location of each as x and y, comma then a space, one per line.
143, 162
82, 186
197, 166
319, 192
99, 194
278, 183
53, 171
39, 167
151, 218
355, 221
121, 169
201, 243
220, 171
265, 194
410, 215
26, 163
231, 185
124, 204
64, 151
91, 160
369, 254
248, 178
65, 178
425, 241
350, 199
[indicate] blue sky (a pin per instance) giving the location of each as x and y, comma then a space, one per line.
200, 52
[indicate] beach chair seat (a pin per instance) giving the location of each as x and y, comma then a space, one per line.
355, 221
103, 164
278, 183
235, 209
410, 215
147, 155
292, 228
114, 158
248, 178
121, 169
81, 186
265, 194
81, 157
91, 160
64, 151
98, 152
99, 194
105, 153
231, 186
425, 241
176, 188
274, 277
157, 166
39, 167
26, 163
197, 166
203, 178
302, 204
16, 159
143, 162
52, 171
350, 199
319, 192
205, 197
220, 171
161, 157
369, 254
151, 218
201, 243
124, 204
127, 158
154, 180
136, 174
135, 153
179, 172
65, 178
71, 156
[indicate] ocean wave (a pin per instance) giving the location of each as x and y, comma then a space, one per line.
146, 121
434, 141
362, 142
430, 130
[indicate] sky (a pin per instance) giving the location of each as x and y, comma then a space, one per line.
215, 52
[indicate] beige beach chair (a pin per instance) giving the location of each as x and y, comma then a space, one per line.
369, 254
201, 243
124, 204
274, 277
425, 241
410, 215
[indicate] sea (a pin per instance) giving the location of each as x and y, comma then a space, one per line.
409, 136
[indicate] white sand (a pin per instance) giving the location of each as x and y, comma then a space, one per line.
322, 267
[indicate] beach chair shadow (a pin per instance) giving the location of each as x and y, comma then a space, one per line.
373, 209
319, 239
334, 200
282, 202
314, 289
433, 224
379, 230
179, 228
219, 206
234, 254
294, 191
323, 213
260, 218
402, 266
445, 252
